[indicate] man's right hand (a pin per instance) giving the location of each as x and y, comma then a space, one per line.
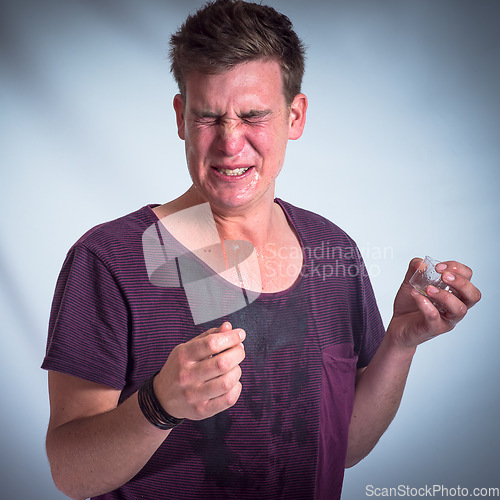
89, 432
202, 377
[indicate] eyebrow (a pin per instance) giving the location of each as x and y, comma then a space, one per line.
256, 113
205, 114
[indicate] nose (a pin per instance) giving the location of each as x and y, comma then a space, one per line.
231, 138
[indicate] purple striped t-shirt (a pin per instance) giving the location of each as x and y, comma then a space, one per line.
286, 437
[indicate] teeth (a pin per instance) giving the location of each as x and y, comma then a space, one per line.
234, 172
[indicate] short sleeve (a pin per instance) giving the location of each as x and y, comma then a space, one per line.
88, 327
373, 326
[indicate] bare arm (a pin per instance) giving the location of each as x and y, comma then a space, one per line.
379, 389
380, 386
95, 446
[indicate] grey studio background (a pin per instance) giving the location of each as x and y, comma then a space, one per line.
401, 150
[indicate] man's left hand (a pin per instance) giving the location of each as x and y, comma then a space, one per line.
416, 319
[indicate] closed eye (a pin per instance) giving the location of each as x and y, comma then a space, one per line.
255, 116
251, 117
206, 117
207, 121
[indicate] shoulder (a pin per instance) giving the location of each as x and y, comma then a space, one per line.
312, 226
121, 235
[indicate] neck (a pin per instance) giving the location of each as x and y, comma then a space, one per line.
256, 226
255, 223
261, 225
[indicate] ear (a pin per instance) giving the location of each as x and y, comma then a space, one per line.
179, 115
297, 118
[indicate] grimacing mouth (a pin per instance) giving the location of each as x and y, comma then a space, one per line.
234, 172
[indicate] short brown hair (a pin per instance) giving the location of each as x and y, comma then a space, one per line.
225, 33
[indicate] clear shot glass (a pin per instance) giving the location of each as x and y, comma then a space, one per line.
426, 275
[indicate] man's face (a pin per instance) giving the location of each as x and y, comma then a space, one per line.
236, 126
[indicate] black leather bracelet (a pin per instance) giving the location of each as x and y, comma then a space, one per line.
152, 409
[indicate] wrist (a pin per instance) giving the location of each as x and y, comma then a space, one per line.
152, 409
397, 345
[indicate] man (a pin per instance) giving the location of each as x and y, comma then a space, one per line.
271, 400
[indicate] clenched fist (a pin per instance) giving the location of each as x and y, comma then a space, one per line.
202, 377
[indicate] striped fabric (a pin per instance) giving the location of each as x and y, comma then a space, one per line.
287, 435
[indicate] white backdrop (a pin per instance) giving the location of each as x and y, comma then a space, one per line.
401, 150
